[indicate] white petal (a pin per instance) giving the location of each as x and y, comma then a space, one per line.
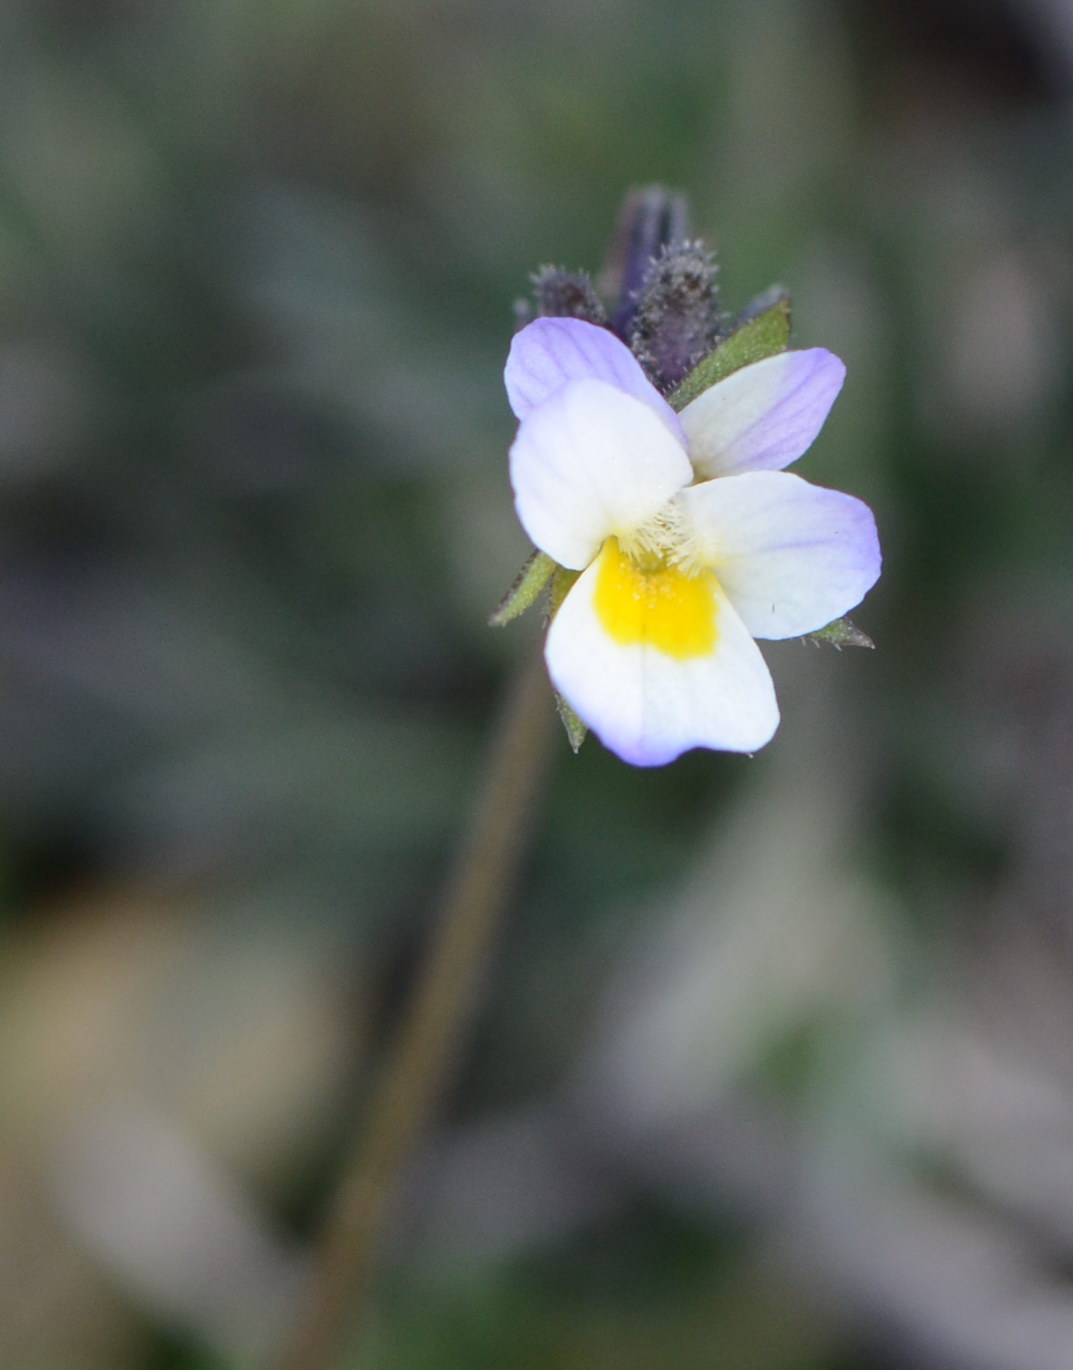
791, 556
648, 706
764, 416
587, 463
550, 353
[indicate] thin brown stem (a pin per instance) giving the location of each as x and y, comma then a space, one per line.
420, 1059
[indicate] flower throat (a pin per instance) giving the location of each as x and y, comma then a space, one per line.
645, 598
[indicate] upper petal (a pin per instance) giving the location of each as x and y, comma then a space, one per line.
791, 556
587, 463
764, 416
649, 705
549, 353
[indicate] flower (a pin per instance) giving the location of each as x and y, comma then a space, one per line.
690, 538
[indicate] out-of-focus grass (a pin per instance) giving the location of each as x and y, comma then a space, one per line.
256, 271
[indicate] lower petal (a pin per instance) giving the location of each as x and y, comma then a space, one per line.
650, 704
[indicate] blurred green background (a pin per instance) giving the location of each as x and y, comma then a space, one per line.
774, 1066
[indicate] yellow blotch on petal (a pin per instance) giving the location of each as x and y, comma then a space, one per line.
659, 605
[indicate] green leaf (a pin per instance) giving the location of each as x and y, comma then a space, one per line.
841, 633
525, 591
764, 335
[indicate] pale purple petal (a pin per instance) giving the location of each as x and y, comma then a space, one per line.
589, 462
549, 353
764, 416
791, 556
650, 707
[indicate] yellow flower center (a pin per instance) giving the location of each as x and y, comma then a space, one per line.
645, 599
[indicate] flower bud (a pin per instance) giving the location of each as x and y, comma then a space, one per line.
567, 295
650, 220
677, 321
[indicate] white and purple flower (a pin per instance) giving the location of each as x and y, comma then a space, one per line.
690, 537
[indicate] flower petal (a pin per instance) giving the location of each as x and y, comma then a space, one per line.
549, 353
764, 416
791, 556
649, 705
588, 463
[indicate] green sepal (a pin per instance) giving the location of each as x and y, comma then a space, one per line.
765, 335
525, 591
842, 633
576, 731
561, 583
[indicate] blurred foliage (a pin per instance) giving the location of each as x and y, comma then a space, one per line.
774, 1049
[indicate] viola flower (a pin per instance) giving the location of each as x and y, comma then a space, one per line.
690, 538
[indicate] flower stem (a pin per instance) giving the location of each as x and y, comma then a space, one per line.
434, 1022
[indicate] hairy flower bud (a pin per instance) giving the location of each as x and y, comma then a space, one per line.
567, 295
650, 220
677, 321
